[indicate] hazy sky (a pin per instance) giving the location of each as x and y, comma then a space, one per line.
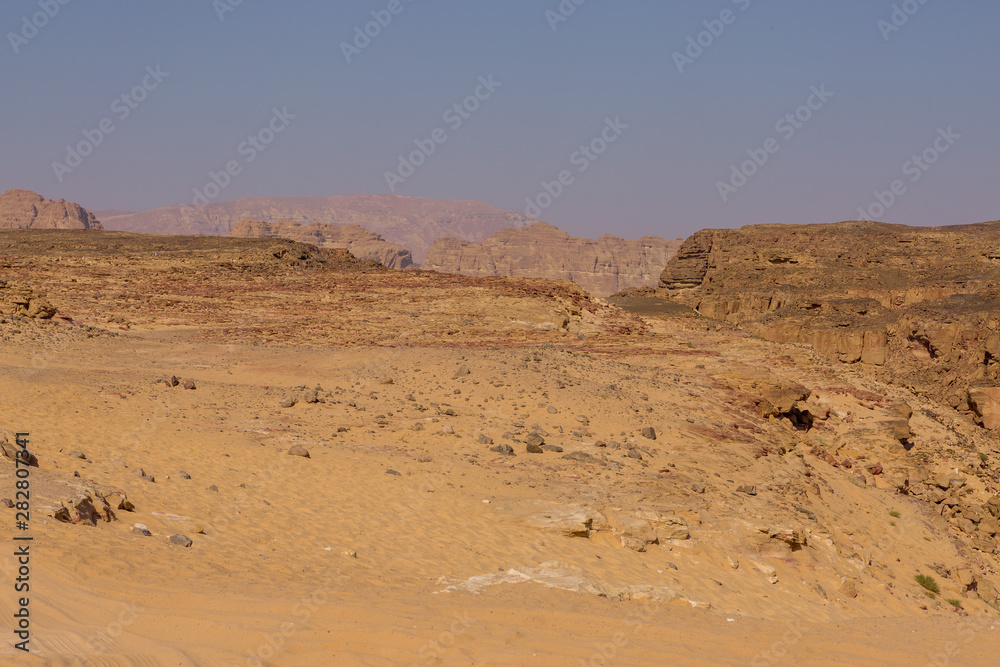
676, 117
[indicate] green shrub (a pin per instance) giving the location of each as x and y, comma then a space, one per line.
954, 603
928, 583
894, 513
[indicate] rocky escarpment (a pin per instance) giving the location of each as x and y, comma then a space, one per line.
360, 242
602, 266
918, 306
24, 209
412, 222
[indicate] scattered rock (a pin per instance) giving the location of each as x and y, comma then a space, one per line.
749, 489
583, 419
552, 410
7, 502
299, 450
77, 455
174, 381
649, 433
698, 488
485, 439
288, 401
504, 449
189, 384
141, 529
311, 396
448, 429
552, 448
390, 471
181, 540
183, 475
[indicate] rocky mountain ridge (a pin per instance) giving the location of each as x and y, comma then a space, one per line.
601, 266
412, 222
24, 209
361, 243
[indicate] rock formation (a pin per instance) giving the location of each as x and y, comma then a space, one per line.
412, 222
361, 243
602, 267
919, 306
24, 209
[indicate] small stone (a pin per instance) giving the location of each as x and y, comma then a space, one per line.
213, 488
534, 449
535, 439
386, 380
181, 540
288, 401
552, 410
299, 450
749, 489
343, 429
311, 396
141, 529
671, 566
390, 471
78, 455
189, 384
174, 381
504, 449
462, 370
583, 419
634, 454
552, 448
698, 488
485, 439
649, 433
7, 502
183, 475
582, 457
417, 427
448, 429
139, 472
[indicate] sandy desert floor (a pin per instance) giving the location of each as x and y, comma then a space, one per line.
404, 538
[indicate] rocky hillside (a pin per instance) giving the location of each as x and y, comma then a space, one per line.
24, 209
361, 243
919, 307
411, 222
602, 267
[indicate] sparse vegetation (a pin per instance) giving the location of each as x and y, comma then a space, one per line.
892, 523
928, 582
895, 514
957, 604
983, 457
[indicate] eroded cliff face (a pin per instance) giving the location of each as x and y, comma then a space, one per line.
24, 209
360, 242
602, 267
919, 306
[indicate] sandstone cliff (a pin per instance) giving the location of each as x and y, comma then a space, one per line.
360, 242
602, 267
24, 209
918, 306
411, 222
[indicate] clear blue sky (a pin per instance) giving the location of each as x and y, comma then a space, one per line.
892, 91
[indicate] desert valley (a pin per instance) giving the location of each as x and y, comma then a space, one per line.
268, 437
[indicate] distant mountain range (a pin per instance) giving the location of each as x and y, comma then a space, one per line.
412, 222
